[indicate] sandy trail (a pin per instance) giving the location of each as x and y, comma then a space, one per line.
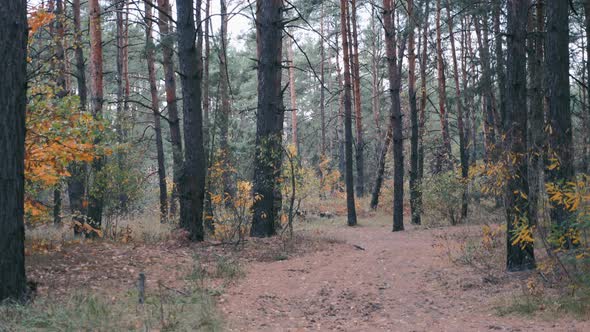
399, 282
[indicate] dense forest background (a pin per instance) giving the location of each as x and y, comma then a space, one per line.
230, 119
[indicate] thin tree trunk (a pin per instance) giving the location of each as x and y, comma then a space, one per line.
375, 82
500, 66
225, 110
156, 111
413, 114
360, 144
191, 71
464, 157
442, 90
422, 121
13, 101
292, 94
206, 58
350, 204
395, 115
520, 256
171, 102
340, 125
322, 88
77, 180
269, 119
381, 167
586, 167
95, 206
486, 83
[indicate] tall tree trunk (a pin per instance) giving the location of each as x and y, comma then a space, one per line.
292, 94
340, 125
323, 87
422, 121
77, 180
500, 66
464, 157
191, 71
350, 204
122, 92
156, 111
360, 144
269, 118
206, 58
536, 110
559, 117
61, 80
171, 102
225, 109
587, 110
13, 101
395, 115
375, 81
442, 90
520, 256
413, 114
95, 205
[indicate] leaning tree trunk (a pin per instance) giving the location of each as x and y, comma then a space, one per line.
191, 71
395, 115
170, 86
559, 117
381, 167
349, 177
464, 157
156, 111
13, 101
96, 200
269, 119
520, 256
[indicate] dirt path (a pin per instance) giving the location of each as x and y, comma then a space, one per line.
399, 282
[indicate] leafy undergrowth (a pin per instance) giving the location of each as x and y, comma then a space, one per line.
544, 293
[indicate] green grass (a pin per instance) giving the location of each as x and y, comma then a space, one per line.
170, 311
577, 306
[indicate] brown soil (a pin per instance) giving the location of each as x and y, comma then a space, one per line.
371, 279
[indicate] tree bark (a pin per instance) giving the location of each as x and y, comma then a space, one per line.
156, 111
225, 109
586, 164
269, 119
360, 144
171, 102
500, 66
13, 101
95, 206
414, 134
442, 90
464, 157
293, 94
536, 110
322, 88
520, 256
77, 181
349, 177
559, 117
422, 121
191, 71
395, 115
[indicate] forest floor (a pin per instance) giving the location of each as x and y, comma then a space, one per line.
329, 277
